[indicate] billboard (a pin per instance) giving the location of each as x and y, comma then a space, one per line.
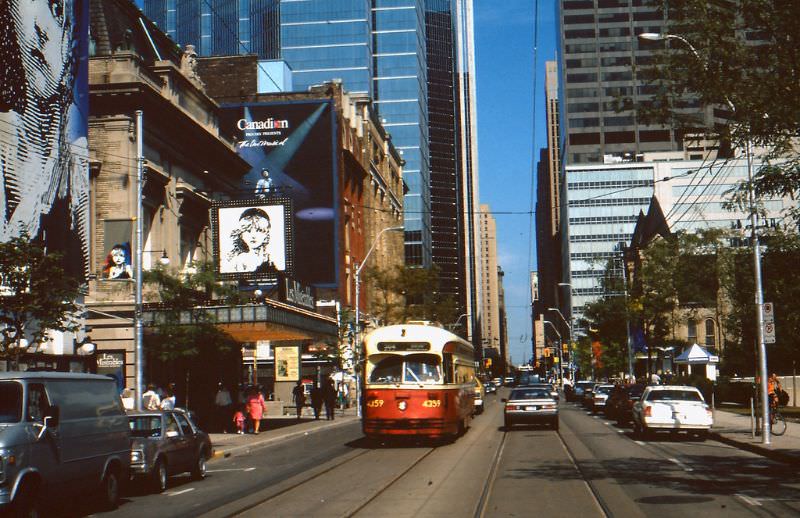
290, 146
253, 238
44, 177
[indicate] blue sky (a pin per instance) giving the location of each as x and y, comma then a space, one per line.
504, 61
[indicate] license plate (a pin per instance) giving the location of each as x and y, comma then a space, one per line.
530, 408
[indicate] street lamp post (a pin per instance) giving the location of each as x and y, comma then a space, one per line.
356, 333
569, 346
759, 293
571, 325
560, 365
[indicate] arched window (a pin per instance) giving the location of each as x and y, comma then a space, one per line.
691, 330
711, 337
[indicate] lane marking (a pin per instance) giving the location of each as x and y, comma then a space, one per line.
176, 493
749, 500
229, 469
681, 464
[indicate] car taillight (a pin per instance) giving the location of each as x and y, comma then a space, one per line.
648, 411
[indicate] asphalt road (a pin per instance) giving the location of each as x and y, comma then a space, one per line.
588, 468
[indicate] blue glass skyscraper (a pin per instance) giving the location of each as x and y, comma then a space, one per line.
219, 27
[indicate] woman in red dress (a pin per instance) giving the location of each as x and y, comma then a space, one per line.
256, 408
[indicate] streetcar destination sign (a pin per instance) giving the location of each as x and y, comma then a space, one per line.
404, 346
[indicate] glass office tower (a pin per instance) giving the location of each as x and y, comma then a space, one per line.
323, 40
401, 96
219, 27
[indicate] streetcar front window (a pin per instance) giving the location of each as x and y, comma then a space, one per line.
415, 368
422, 368
388, 370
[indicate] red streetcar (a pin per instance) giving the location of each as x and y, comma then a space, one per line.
419, 381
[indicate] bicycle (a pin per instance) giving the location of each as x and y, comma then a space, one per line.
777, 421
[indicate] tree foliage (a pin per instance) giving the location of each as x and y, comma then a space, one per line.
745, 72
173, 338
36, 296
403, 293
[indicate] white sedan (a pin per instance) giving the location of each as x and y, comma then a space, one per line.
672, 408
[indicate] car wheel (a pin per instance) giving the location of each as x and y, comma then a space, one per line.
702, 435
199, 470
507, 423
26, 504
110, 490
554, 424
159, 476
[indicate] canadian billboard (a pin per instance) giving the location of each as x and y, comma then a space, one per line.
290, 146
44, 174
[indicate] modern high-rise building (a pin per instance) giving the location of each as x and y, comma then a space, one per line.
453, 178
490, 292
600, 56
219, 27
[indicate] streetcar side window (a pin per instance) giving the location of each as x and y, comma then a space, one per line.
422, 368
447, 367
388, 370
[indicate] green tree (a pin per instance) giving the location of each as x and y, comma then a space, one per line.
36, 296
185, 339
746, 70
405, 293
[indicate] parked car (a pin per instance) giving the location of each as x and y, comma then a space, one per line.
479, 396
530, 405
672, 408
62, 436
579, 389
600, 396
166, 443
588, 395
620, 402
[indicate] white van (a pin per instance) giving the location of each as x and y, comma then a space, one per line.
61, 435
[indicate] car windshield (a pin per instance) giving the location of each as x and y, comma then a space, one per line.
603, 390
530, 394
674, 395
414, 368
10, 402
145, 426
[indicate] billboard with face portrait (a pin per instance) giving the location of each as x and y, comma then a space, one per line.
44, 175
253, 238
290, 146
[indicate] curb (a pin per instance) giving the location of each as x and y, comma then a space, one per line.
227, 452
758, 450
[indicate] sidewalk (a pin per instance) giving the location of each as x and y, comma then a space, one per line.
735, 430
274, 429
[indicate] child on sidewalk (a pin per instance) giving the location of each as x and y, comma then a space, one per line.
238, 420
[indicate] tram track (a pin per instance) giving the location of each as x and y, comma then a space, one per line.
483, 502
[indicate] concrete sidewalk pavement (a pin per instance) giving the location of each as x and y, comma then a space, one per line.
736, 430
274, 429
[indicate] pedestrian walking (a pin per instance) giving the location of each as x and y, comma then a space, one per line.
316, 400
299, 398
223, 405
238, 421
150, 399
168, 403
256, 408
329, 397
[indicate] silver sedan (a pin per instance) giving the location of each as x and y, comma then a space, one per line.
530, 406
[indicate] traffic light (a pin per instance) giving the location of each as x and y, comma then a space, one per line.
547, 352
487, 363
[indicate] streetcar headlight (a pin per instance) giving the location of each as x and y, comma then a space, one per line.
402, 405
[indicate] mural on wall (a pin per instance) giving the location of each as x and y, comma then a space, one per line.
44, 176
290, 148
